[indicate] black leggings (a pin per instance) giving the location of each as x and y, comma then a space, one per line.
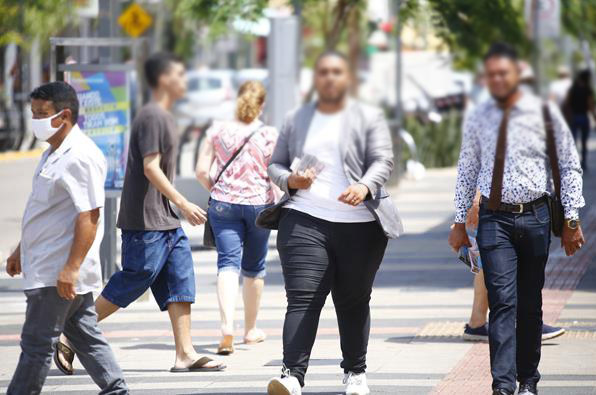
319, 257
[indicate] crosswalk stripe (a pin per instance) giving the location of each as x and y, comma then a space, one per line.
213, 316
210, 333
257, 384
261, 382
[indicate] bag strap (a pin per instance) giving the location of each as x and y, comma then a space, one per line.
551, 149
236, 154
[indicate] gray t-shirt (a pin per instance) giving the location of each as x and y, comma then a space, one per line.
142, 206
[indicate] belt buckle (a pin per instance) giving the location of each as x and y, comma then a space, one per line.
521, 209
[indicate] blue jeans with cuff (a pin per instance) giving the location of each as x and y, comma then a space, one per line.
241, 245
514, 250
160, 260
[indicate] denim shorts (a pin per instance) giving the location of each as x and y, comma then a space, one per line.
241, 245
160, 260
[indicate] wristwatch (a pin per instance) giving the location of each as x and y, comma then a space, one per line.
572, 223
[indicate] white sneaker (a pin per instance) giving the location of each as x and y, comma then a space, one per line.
356, 384
284, 385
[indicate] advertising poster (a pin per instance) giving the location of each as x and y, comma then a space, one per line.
104, 115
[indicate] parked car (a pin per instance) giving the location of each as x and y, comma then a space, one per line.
210, 95
243, 75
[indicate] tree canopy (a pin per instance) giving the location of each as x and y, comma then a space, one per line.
467, 27
22, 19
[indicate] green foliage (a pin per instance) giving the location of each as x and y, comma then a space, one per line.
326, 19
327, 23
579, 18
218, 14
468, 27
22, 19
437, 143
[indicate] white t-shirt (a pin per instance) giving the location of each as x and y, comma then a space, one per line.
68, 181
320, 200
559, 89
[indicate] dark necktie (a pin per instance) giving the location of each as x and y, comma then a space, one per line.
496, 187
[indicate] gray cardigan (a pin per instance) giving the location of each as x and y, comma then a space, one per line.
367, 154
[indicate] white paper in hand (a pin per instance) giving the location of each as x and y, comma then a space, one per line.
307, 162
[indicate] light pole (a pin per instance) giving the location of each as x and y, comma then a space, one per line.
536, 36
398, 66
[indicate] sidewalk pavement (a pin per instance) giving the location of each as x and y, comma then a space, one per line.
422, 299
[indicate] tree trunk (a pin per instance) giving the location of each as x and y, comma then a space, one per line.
342, 13
354, 47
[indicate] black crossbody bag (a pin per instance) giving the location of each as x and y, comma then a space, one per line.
557, 215
208, 238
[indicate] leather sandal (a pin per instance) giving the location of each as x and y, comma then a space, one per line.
199, 366
226, 345
64, 353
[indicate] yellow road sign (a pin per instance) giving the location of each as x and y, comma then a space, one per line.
135, 20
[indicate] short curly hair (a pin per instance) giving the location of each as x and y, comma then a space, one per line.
61, 95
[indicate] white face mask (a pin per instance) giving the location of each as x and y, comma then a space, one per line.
43, 129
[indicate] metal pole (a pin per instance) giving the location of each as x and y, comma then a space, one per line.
53, 64
299, 58
398, 67
115, 11
108, 247
104, 29
84, 30
537, 47
21, 95
35, 63
282, 64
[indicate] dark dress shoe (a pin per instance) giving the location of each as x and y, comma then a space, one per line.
502, 391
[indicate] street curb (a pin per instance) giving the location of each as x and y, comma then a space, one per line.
14, 155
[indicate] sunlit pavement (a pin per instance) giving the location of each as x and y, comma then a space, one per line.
421, 301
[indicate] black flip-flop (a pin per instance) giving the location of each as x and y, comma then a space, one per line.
67, 354
199, 366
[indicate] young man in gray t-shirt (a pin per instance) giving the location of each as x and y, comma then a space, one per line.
155, 251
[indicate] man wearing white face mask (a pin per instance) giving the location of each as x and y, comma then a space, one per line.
59, 250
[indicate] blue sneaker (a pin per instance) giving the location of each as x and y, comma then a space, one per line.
550, 332
479, 334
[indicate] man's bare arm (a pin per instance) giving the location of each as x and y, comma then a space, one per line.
84, 236
193, 213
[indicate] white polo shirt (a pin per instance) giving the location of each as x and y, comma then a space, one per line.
68, 181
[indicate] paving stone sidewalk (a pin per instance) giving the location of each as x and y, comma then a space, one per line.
421, 301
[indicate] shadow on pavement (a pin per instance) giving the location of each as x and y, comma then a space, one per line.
162, 346
261, 393
414, 261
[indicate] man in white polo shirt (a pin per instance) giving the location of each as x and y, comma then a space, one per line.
59, 250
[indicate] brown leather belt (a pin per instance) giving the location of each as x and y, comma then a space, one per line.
516, 208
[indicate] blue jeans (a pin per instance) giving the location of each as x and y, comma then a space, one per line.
241, 245
161, 260
514, 250
48, 315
